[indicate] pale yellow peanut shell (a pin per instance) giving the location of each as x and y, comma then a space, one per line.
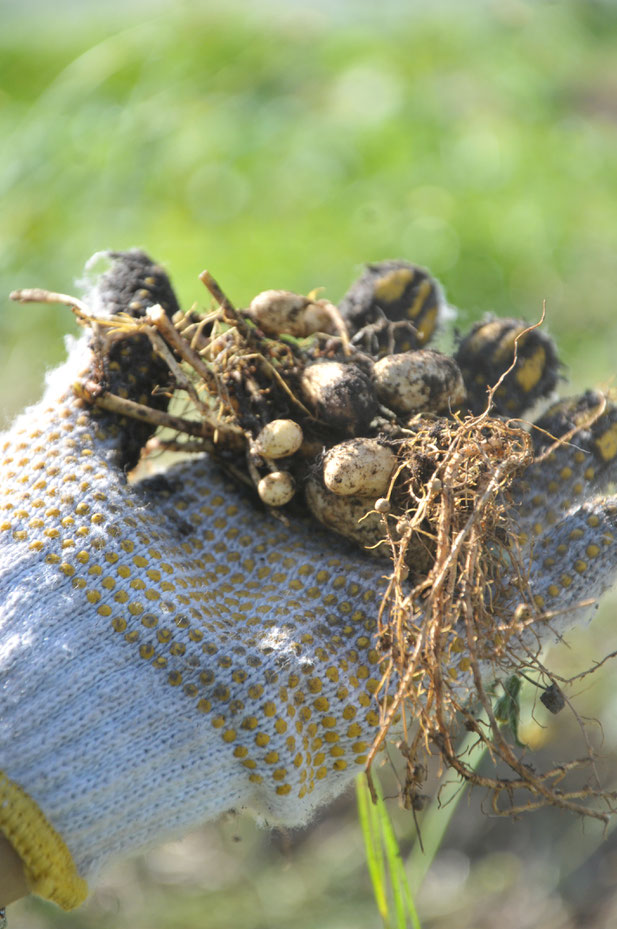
347, 516
279, 438
360, 466
277, 311
277, 488
420, 381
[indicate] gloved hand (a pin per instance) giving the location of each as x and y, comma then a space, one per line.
169, 651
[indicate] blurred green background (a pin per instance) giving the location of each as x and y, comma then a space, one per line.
284, 145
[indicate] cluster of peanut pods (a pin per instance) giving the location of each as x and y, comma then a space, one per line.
364, 381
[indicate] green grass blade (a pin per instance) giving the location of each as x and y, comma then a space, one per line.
401, 891
411, 907
373, 848
393, 857
389, 883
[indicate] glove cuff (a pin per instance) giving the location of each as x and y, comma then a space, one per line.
48, 864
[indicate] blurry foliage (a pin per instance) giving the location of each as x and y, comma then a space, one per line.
284, 146
285, 149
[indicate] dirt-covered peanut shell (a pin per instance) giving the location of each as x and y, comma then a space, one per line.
279, 438
277, 488
277, 311
360, 466
340, 394
344, 515
423, 381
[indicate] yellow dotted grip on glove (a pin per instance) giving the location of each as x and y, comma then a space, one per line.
203, 592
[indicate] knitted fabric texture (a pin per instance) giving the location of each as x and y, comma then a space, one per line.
169, 651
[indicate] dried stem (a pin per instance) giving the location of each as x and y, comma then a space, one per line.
38, 295
162, 322
124, 407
